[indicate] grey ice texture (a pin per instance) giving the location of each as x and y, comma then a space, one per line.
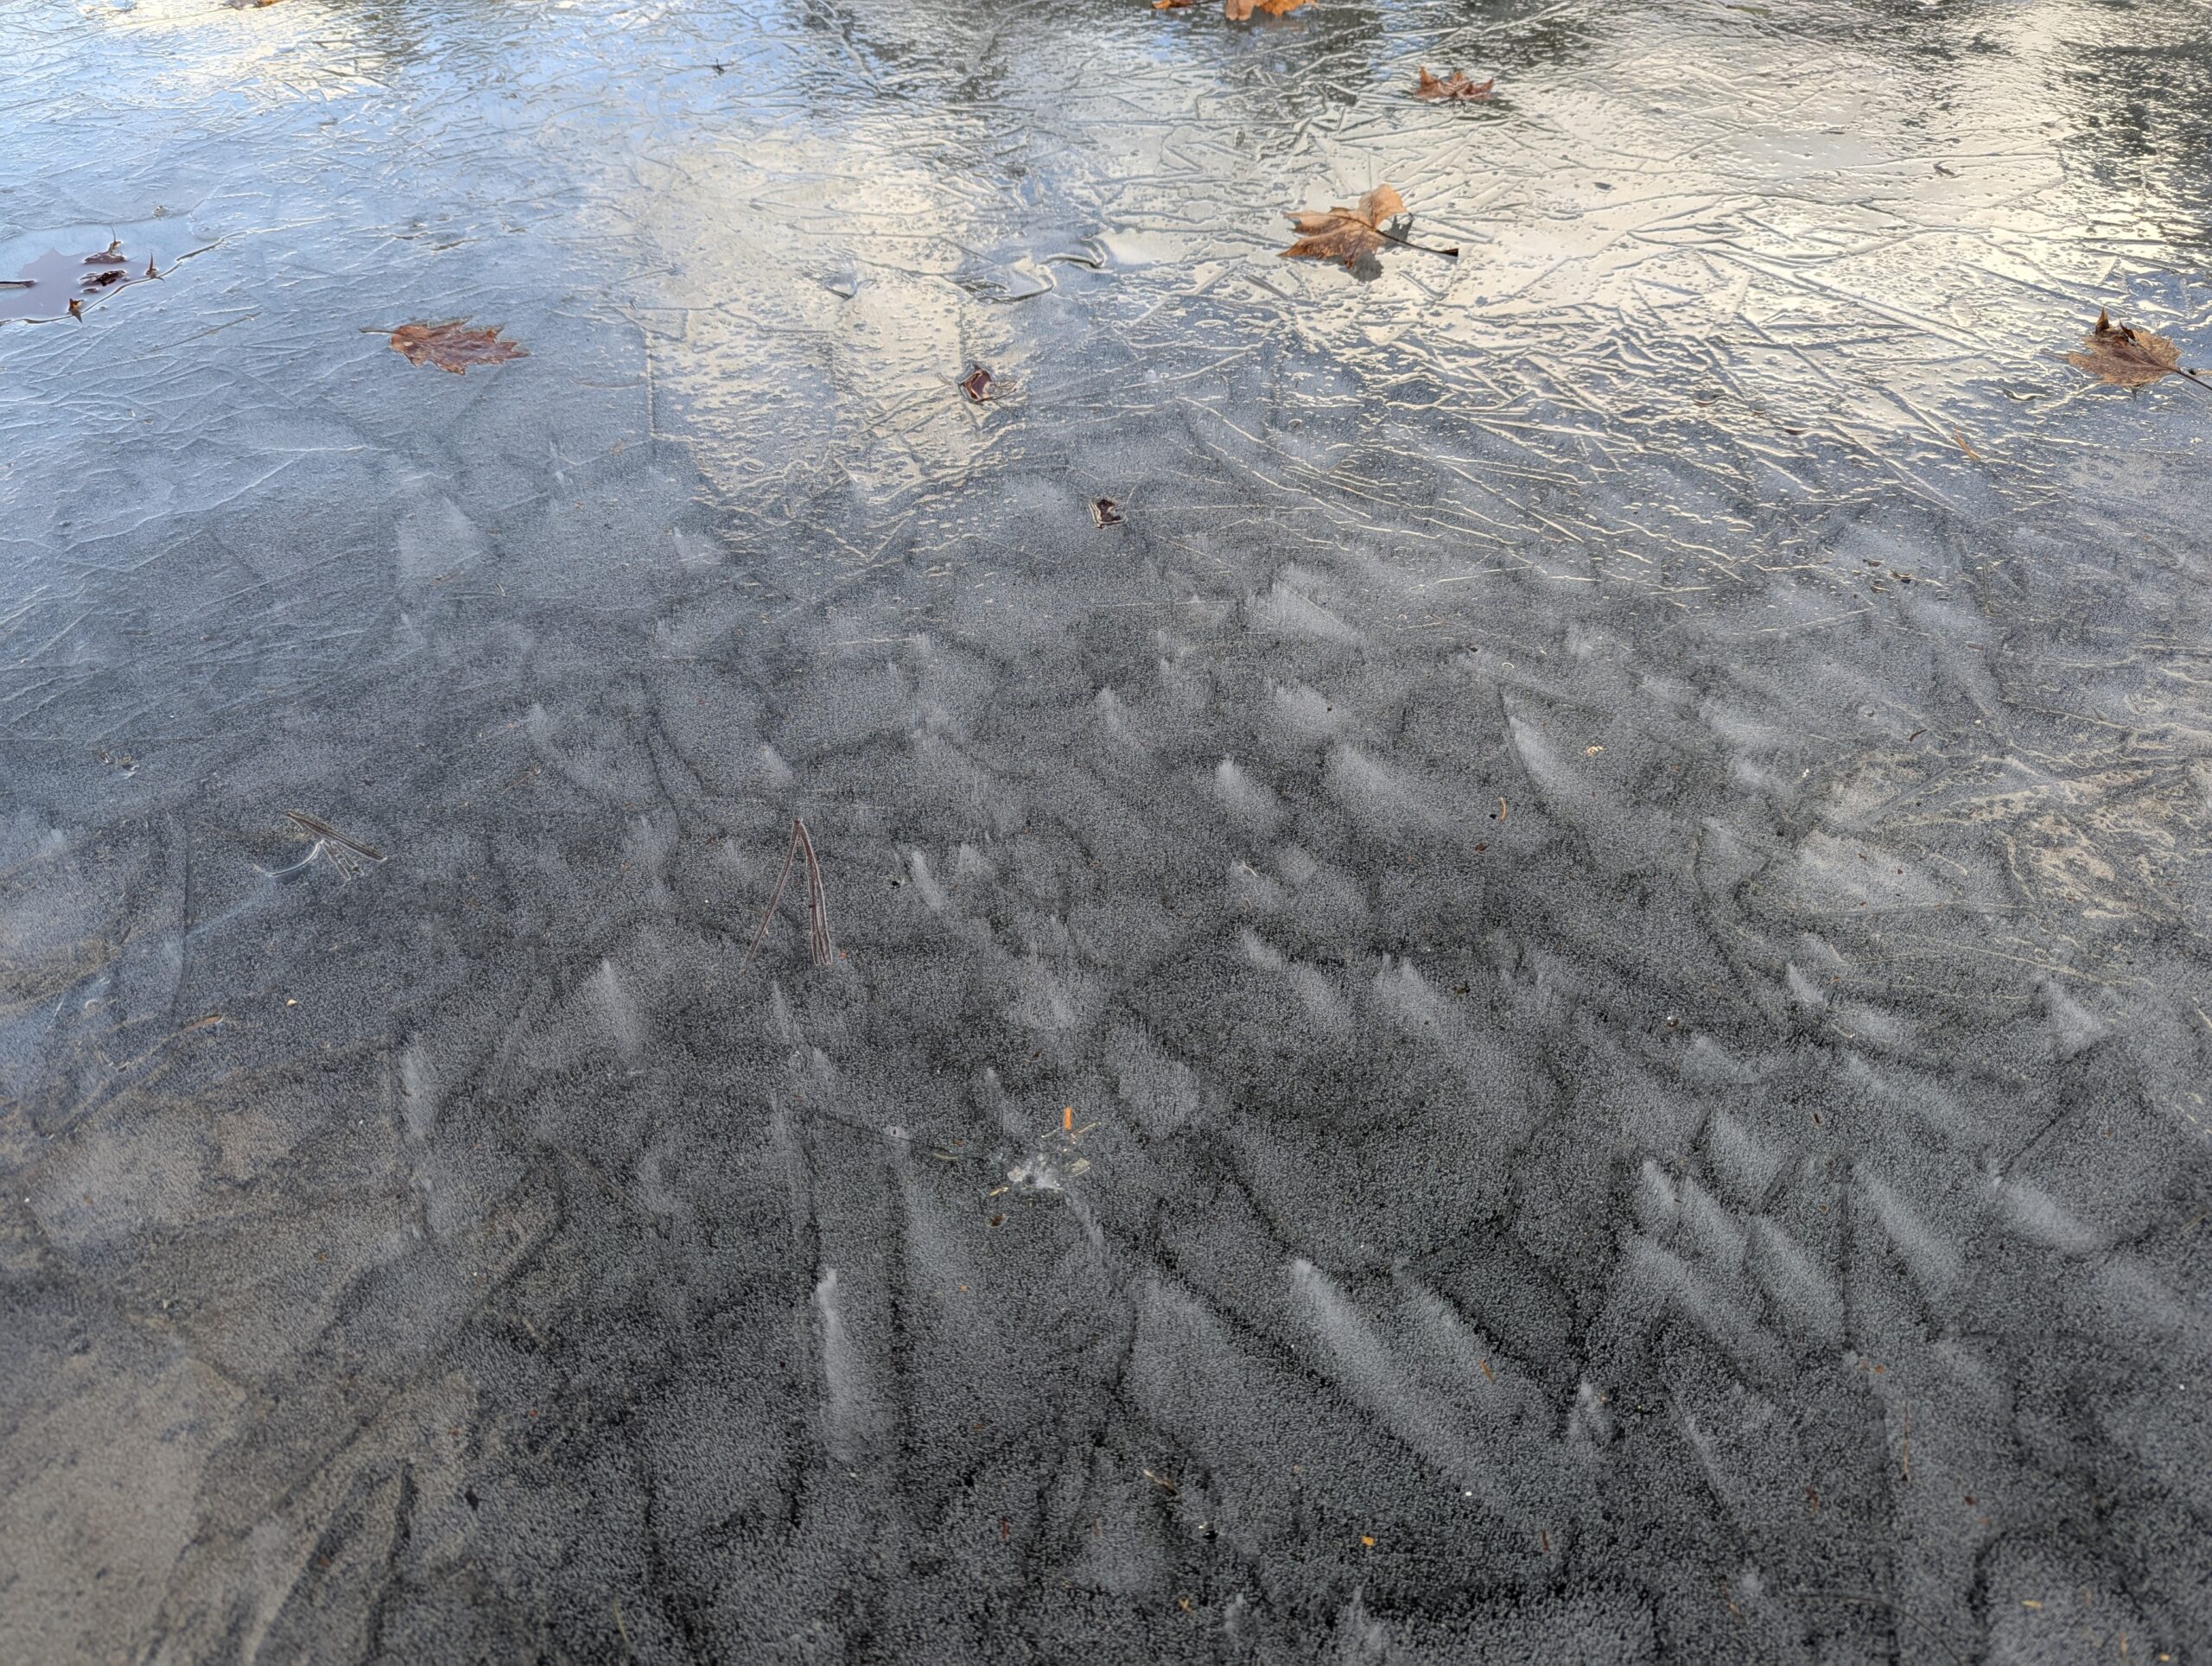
1555, 1011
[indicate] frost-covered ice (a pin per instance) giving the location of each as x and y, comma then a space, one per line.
1556, 1010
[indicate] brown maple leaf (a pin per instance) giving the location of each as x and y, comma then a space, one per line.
1343, 233
1238, 11
452, 346
1352, 235
1453, 86
2127, 358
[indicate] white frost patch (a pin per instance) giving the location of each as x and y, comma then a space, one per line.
1331, 1012
1253, 802
618, 1009
1254, 889
1803, 989
695, 551
420, 1090
1656, 1206
1744, 1164
1309, 715
783, 1023
1034, 1174
1365, 1365
1590, 1422
1700, 1299
435, 539
1711, 1227
1544, 766
1375, 793
1258, 951
2036, 1215
1286, 611
1794, 1282
2077, 1027
1933, 1261
925, 885
845, 1410
1046, 1001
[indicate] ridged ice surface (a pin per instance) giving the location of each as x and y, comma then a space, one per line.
1555, 1009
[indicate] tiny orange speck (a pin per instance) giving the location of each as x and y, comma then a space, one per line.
1366, 1539
1067, 1119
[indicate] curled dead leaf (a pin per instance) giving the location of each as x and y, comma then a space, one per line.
977, 384
2127, 358
452, 347
1454, 86
1343, 233
1106, 511
1352, 235
1238, 11
1169, 6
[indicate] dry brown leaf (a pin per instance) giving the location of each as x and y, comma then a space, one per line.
2125, 357
1238, 11
452, 346
1169, 6
1454, 86
1345, 234
978, 385
1106, 511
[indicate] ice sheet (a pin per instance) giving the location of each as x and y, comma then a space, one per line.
1556, 1008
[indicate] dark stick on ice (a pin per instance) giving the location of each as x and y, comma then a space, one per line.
1384, 231
323, 829
818, 901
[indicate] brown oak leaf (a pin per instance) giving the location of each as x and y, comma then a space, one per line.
1453, 86
2127, 358
452, 346
1345, 234
1238, 11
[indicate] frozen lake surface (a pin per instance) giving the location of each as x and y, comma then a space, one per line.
1556, 1008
